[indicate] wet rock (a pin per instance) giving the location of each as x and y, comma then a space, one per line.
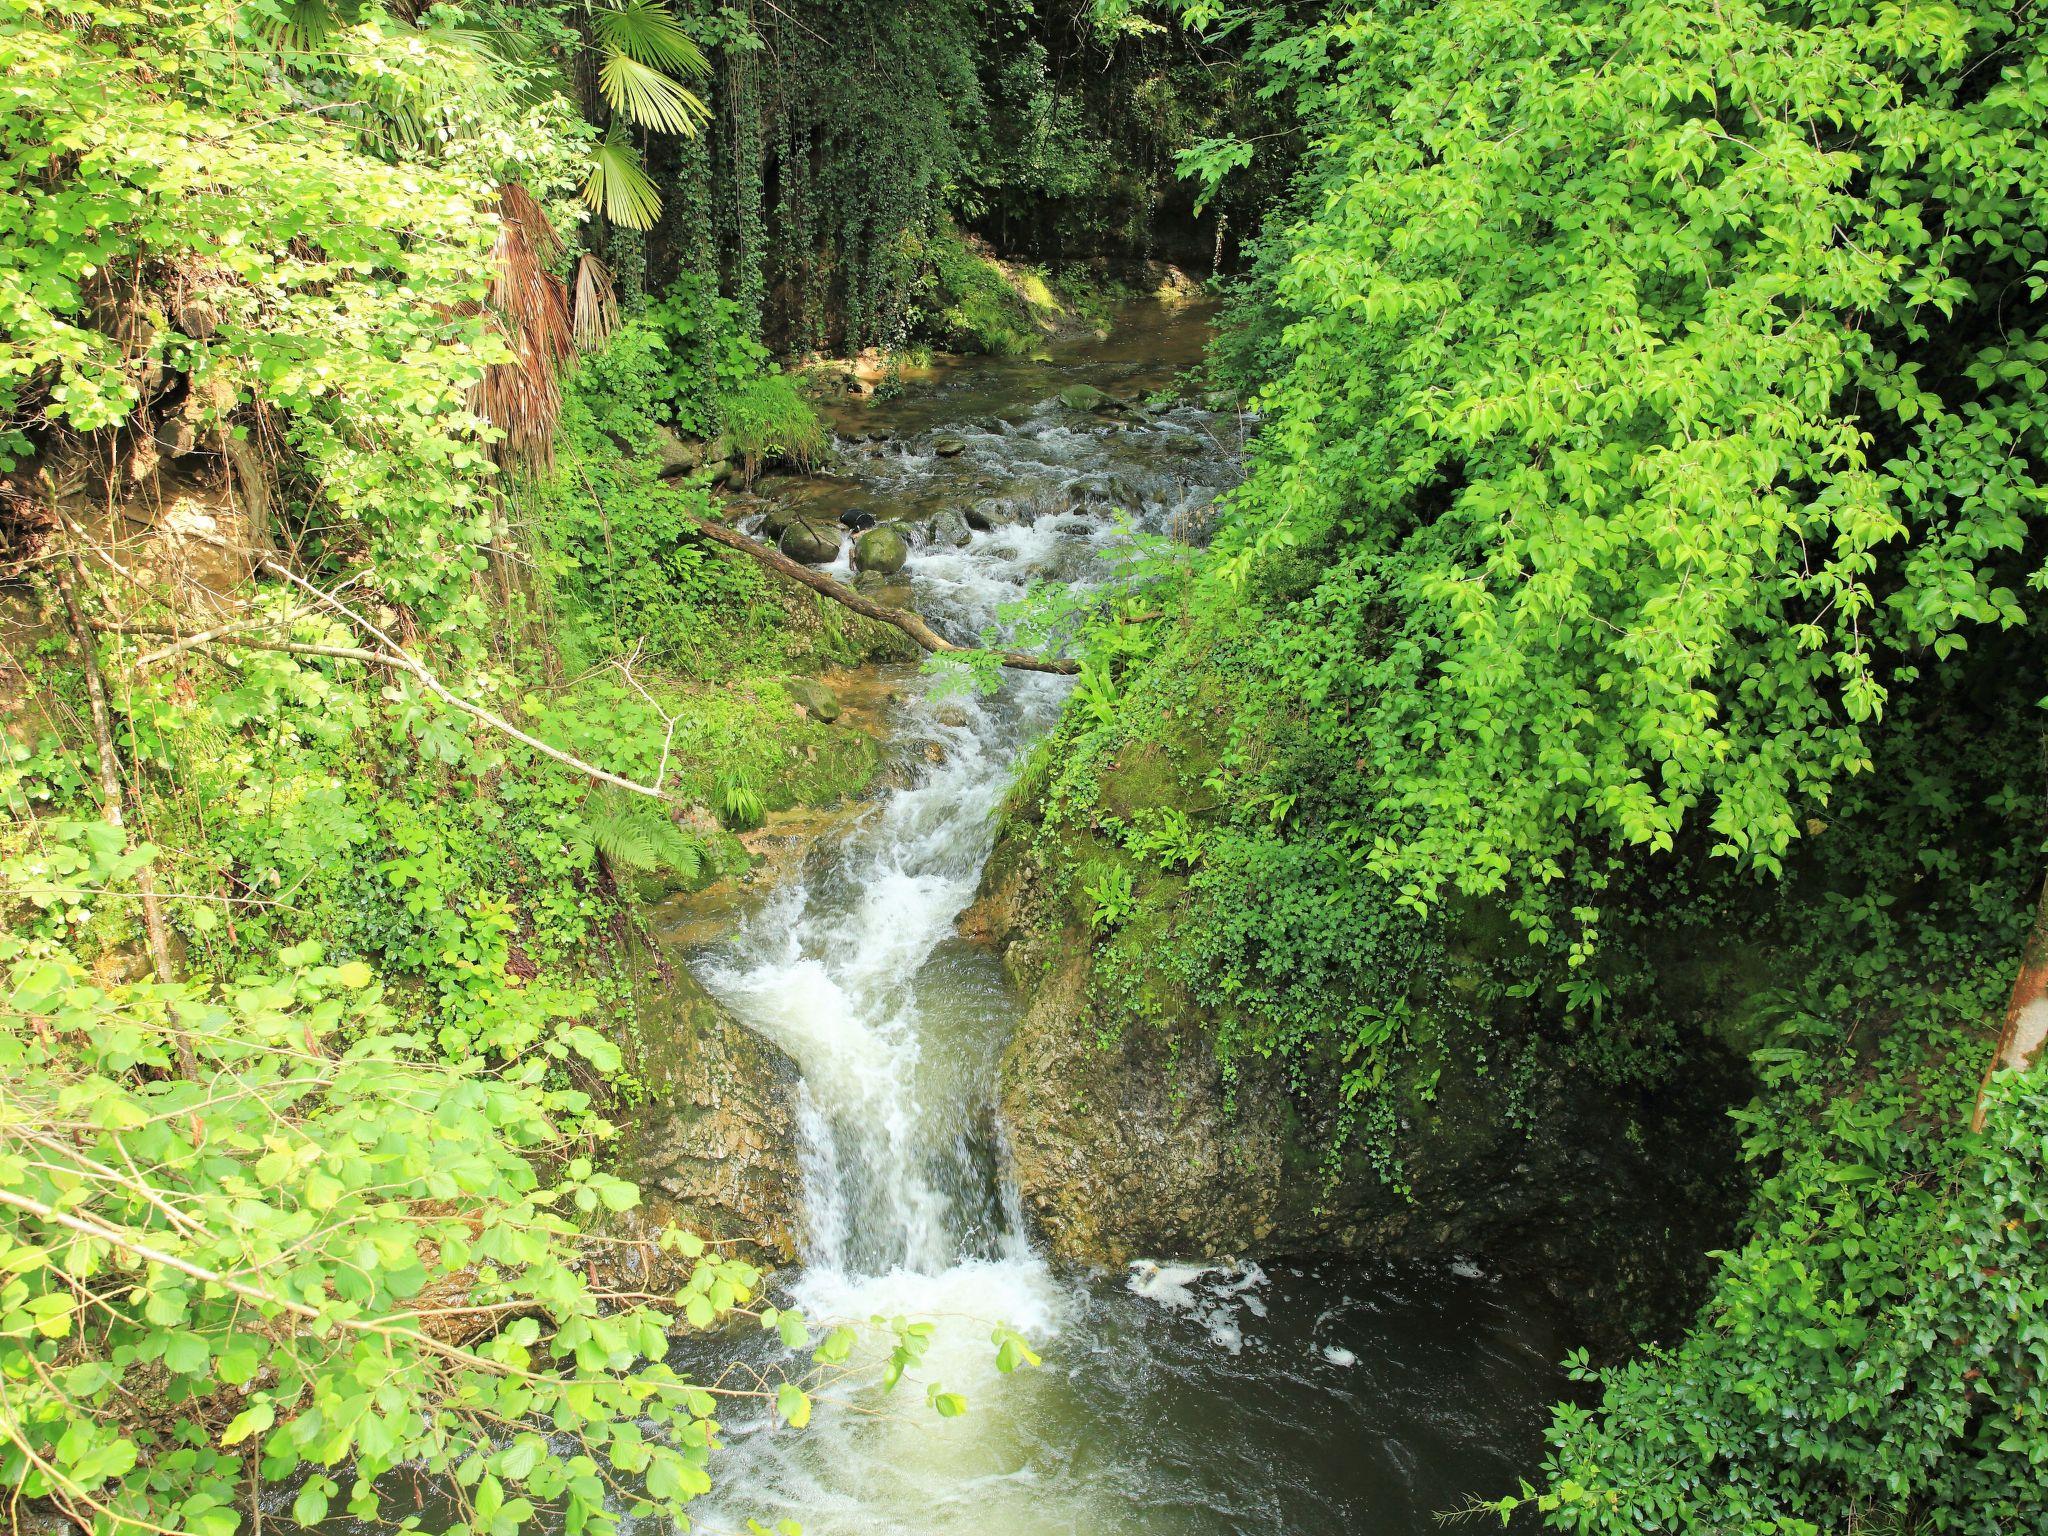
714, 1145
890, 591
988, 514
881, 550
819, 702
1128, 1138
812, 542
949, 447
949, 527
951, 714
1086, 397
776, 520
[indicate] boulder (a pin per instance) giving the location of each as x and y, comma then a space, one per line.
1086, 397
949, 527
987, 515
881, 550
675, 455
776, 519
891, 591
812, 543
819, 702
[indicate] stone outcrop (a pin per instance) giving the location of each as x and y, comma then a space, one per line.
713, 1143
1133, 1141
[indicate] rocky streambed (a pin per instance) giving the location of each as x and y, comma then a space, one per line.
887, 1076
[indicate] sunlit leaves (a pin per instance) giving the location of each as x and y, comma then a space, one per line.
618, 187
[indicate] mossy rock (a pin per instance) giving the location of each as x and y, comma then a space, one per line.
819, 701
881, 550
1086, 397
809, 541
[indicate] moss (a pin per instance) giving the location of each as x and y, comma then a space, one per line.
983, 304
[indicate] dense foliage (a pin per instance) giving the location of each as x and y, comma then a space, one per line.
314, 1024
1623, 630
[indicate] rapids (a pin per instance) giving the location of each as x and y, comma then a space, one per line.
1177, 1398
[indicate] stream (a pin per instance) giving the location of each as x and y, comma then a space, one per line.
1174, 1398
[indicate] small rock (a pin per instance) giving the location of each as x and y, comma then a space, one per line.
810, 542
951, 714
934, 753
949, 447
881, 550
988, 515
819, 702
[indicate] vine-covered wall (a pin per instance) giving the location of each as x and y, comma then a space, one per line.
845, 136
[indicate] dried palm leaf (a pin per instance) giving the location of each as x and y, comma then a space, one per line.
522, 397
594, 307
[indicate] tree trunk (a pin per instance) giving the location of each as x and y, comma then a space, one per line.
2026, 1015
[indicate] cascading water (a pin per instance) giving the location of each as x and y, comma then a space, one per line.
1174, 1399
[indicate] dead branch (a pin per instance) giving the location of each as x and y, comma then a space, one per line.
396, 657
900, 618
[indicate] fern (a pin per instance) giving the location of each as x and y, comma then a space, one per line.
628, 833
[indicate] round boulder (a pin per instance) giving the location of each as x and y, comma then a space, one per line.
881, 550
809, 542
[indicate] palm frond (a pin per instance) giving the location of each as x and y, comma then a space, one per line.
522, 398
649, 32
618, 188
593, 304
518, 206
301, 26
644, 95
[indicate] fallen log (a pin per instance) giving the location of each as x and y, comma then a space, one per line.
910, 623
